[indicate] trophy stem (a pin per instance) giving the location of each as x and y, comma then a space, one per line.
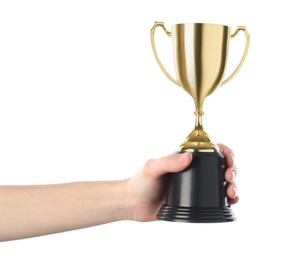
199, 122
198, 140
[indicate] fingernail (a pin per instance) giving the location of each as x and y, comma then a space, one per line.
235, 190
233, 174
184, 157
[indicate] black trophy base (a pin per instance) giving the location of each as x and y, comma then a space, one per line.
198, 193
196, 215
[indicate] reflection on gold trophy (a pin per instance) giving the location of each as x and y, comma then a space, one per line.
200, 57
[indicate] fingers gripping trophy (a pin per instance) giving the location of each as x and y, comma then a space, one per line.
198, 194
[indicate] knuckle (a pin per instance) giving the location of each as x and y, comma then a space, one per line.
148, 164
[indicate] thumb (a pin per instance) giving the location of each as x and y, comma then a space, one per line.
171, 163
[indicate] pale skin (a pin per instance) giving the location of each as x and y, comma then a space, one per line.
29, 211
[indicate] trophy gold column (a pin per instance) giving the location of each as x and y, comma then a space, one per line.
198, 194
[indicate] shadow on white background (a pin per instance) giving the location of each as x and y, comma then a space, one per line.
82, 98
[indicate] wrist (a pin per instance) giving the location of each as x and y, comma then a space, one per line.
132, 206
124, 202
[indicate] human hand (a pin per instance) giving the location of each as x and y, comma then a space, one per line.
145, 190
230, 174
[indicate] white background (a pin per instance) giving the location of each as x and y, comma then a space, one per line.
82, 98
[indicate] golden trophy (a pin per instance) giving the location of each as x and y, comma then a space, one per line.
198, 194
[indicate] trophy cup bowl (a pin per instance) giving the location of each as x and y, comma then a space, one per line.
198, 193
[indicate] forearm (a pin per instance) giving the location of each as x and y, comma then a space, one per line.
27, 211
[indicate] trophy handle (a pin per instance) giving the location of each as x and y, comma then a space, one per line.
247, 35
161, 24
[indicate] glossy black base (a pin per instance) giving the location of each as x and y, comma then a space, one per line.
196, 215
198, 193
